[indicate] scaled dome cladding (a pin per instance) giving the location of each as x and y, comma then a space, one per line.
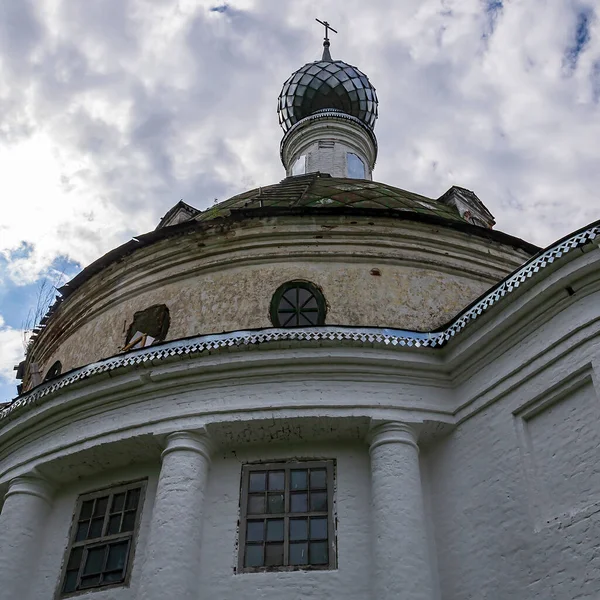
327, 84
321, 191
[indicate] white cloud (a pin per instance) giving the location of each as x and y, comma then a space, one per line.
113, 110
11, 351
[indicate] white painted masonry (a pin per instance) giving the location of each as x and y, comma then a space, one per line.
325, 139
401, 564
504, 501
173, 551
26, 507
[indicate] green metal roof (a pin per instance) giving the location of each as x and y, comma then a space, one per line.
317, 190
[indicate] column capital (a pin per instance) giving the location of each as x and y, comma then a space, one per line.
31, 484
392, 432
188, 441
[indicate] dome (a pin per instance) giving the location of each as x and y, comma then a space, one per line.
327, 84
321, 191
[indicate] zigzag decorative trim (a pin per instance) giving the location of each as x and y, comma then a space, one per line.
362, 335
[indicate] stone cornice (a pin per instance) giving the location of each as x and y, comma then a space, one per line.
391, 338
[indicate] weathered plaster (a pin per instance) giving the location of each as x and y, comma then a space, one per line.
224, 281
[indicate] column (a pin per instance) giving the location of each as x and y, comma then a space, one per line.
24, 514
401, 566
172, 555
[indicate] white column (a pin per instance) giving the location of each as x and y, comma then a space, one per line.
172, 555
24, 514
401, 565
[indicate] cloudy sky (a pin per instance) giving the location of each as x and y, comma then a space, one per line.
113, 110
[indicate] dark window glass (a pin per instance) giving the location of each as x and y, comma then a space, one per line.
274, 555
254, 556
286, 516
255, 531
298, 304
298, 553
318, 553
54, 371
102, 534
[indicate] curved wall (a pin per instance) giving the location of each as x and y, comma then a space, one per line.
507, 415
373, 272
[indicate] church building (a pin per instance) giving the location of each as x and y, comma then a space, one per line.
327, 387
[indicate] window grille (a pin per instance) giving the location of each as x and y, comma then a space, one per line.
298, 304
287, 517
102, 537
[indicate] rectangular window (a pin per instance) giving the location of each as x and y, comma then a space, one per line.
287, 517
102, 537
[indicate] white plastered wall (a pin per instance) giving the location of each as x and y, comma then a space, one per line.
515, 489
352, 510
54, 539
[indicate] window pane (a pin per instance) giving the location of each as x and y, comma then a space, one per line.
318, 529
274, 555
133, 498
257, 482
298, 502
75, 558
289, 300
255, 531
318, 478
94, 560
304, 320
118, 502
318, 553
298, 480
287, 319
303, 296
318, 501
312, 303
82, 529
100, 508
256, 504
298, 529
86, 509
95, 528
356, 167
114, 523
113, 577
299, 553
90, 581
276, 504
128, 521
276, 480
117, 555
254, 556
299, 167
70, 581
274, 530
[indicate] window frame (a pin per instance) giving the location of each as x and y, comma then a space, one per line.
288, 465
298, 283
87, 545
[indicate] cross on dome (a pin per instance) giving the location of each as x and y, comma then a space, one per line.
326, 54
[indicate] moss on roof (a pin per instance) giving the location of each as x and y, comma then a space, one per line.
317, 190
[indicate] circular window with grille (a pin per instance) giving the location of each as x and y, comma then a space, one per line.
298, 304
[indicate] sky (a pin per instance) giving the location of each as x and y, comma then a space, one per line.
111, 111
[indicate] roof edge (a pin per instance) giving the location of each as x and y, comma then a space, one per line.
362, 335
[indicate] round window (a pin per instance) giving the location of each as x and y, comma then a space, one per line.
297, 304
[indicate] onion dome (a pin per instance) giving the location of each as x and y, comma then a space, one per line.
327, 85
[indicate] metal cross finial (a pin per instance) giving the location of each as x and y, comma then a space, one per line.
327, 28
326, 54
